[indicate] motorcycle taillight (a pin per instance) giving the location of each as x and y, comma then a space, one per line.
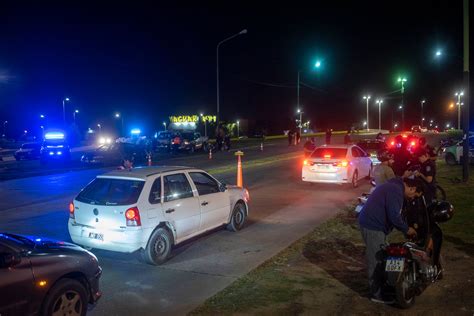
396, 251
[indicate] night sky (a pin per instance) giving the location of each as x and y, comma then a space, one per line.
149, 62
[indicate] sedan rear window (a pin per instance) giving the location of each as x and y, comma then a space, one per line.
103, 191
330, 153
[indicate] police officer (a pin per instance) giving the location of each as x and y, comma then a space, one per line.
427, 173
430, 149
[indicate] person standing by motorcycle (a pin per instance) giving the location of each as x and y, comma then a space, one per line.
380, 214
383, 171
427, 173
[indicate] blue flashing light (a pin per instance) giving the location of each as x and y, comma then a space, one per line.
135, 131
38, 239
59, 153
54, 135
51, 153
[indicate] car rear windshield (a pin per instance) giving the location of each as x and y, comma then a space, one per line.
103, 191
371, 145
331, 153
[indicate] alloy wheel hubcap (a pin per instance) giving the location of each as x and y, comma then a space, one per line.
68, 304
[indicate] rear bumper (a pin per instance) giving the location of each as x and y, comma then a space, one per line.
339, 177
119, 240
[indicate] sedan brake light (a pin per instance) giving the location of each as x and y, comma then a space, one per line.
132, 215
343, 163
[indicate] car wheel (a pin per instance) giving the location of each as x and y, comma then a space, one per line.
66, 297
159, 247
450, 159
355, 179
237, 219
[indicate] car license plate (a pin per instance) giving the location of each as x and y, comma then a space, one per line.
96, 236
394, 264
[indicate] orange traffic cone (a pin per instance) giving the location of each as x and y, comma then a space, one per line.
239, 168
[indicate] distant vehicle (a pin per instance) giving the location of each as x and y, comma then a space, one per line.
337, 164
372, 147
410, 141
28, 151
46, 277
453, 154
416, 129
152, 209
189, 141
163, 140
55, 148
114, 153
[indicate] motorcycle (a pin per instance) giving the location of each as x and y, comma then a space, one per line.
410, 267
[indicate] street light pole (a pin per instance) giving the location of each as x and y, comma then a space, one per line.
402, 81
379, 102
459, 95
74, 115
465, 163
367, 98
205, 124
301, 118
120, 116
164, 124
5, 128
238, 129
244, 31
422, 102
64, 110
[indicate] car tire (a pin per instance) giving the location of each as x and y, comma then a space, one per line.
450, 159
237, 220
355, 179
67, 297
159, 247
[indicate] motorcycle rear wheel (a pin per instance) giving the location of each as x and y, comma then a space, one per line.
405, 296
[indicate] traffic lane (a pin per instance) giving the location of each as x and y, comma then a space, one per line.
282, 210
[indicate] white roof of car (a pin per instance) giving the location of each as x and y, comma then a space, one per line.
143, 172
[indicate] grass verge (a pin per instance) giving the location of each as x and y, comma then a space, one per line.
324, 272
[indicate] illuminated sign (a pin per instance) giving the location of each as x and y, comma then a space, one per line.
192, 118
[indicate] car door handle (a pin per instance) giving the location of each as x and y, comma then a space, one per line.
204, 203
170, 210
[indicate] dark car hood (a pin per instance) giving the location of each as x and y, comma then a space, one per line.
48, 245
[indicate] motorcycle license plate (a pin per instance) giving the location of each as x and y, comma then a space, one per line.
394, 264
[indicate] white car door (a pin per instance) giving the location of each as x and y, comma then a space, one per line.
215, 205
364, 161
180, 207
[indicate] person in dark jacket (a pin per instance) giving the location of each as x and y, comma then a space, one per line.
380, 214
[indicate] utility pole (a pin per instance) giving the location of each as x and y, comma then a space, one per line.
465, 163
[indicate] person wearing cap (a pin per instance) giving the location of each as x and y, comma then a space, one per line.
429, 149
427, 173
380, 214
383, 171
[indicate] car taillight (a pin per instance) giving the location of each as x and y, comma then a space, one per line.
413, 143
396, 251
132, 215
343, 163
71, 210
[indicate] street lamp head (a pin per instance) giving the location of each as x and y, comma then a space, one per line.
98, 125
423, 101
244, 31
400, 79
164, 123
400, 107
366, 97
238, 122
25, 131
438, 53
66, 99
201, 114
317, 64
298, 111
42, 116
76, 111
117, 115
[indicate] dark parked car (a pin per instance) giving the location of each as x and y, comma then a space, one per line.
372, 147
189, 141
163, 141
28, 151
46, 277
114, 153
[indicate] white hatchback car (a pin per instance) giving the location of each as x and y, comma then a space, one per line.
337, 164
152, 209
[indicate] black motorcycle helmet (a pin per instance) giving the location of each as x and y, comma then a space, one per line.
441, 211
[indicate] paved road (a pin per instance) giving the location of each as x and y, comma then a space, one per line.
282, 209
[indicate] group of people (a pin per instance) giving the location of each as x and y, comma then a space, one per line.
396, 189
294, 137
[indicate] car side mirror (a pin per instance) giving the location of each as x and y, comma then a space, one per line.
222, 187
8, 259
